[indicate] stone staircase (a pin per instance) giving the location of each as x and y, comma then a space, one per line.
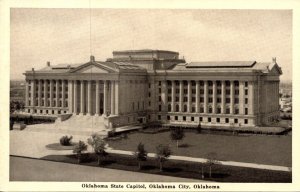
75, 125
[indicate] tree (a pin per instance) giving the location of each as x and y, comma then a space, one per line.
211, 160
177, 134
99, 146
140, 154
163, 152
78, 149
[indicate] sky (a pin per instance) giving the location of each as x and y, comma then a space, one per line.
66, 36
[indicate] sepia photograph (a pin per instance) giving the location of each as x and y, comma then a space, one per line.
150, 98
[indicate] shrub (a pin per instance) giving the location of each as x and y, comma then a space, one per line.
99, 146
65, 140
140, 154
177, 134
163, 152
78, 149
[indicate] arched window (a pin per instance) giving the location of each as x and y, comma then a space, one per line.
169, 107
185, 108
209, 109
177, 108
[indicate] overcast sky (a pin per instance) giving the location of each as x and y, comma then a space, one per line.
63, 35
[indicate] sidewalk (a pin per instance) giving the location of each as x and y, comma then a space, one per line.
32, 144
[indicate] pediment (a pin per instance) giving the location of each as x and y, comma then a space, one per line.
275, 70
91, 68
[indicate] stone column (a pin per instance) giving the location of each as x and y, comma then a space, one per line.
89, 98
51, 93
32, 93
181, 96
205, 96
46, 93
112, 97
57, 92
197, 97
223, 98
63, 93
75, 97
82, 97
40, 93
164, 93
241, 97
97, 98
70, 96
26, 93
117, 103
214, 105
189, 106
105, 98
173, 97
231, 97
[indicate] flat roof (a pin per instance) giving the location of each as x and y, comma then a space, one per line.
220, 64
144, 51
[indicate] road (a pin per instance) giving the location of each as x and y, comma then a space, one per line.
26, 169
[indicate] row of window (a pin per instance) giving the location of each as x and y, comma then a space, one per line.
48, 103
48, 88
51, 111
201, 83
48, 95
201, 109
210, 99
209, 119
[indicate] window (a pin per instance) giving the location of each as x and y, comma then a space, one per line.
159, 117
226, 120
219, 91
193, 109
192, 119
177, 91
201, 110
168, 118
227, 110
218, 120
246, 111
201, 83
193, 91
185, 108
236, 111
246, 84
236, 100
193, 99
201, 99
227, 100
177, 99
185, 99
185, 91
149, 85
184, 118
201, 91
176, 83
210, 110
169, 83
246, 100
133, 106
210, 83
236, 83
219, 100
149, 94
236, 121
227, 91
169, 99
236, 92
200, 119
149, 103
210, 91
210, 100
193, 83
245, 121
159, 83
159, 90
176, 118
177, 108
169, 91
227, 83
246, 91
218, 110
159, 107
209, 119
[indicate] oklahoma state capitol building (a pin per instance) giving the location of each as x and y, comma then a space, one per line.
156, 86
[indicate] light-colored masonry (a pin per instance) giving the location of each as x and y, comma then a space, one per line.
156, 86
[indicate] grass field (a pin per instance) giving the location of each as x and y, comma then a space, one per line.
262, 149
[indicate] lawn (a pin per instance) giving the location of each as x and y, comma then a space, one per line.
262, 149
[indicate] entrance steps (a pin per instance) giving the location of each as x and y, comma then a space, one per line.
75, 125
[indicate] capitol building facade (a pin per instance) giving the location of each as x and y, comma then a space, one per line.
156, 86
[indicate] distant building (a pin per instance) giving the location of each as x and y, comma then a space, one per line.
146, 86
